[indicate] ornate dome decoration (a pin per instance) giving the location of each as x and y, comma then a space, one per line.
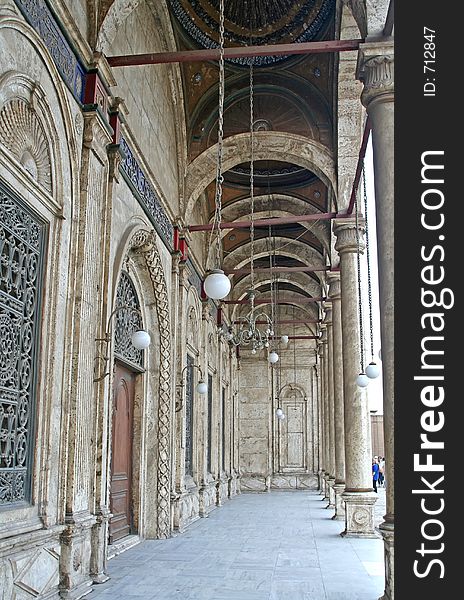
270, 21
23, 134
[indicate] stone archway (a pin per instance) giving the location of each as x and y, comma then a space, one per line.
274, 145
144, 243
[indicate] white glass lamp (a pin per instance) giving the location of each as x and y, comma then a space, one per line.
141, 339
273, 357
202, 387
284, 339
217, 285
372, 370
362, 380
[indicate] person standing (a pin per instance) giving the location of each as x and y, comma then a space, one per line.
381, 471
375, 474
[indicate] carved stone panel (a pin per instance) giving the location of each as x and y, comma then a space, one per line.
22, 133
210, 425
189, 418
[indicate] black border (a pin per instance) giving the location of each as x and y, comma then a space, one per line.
426, 123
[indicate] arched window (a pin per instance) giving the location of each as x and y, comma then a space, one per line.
127, 321
22, 237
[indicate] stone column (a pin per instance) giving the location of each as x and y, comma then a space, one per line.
325, 414
358, 495
376, 70
330, 407
318, 397
339, 408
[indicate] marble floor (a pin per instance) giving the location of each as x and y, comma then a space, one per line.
275, 546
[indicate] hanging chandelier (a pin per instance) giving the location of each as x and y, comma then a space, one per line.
217, 285
249, 334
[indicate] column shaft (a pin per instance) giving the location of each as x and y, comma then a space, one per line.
358, 495
376, 70
339, 417
330, 405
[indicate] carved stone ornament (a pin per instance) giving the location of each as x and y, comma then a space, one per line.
334, 288
347, 237
22, 133
376, 69
143, 242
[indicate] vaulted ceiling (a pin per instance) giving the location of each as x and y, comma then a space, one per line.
294, 95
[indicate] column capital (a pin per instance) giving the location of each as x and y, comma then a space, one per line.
376, 69
328, 313
334, 285
347, 237
97, 134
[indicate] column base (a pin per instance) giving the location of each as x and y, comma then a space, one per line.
339, 515
100, 578
359, 514
387, 529
331, 483
321, 483
325, 486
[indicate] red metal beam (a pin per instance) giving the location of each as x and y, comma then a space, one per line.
155, 58
389, 21
357, 177
302, 300
276, 270
265, 222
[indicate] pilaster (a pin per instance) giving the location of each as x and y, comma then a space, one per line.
81, 541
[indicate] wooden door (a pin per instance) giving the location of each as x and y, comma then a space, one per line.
293, 437
121, 463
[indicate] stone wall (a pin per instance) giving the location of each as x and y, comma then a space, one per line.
278, 454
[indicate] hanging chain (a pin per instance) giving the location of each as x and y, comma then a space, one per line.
358, 256
252, 181
369, 281
219, 176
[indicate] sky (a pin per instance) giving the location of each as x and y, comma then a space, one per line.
374, 389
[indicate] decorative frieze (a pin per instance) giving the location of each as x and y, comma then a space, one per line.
145, 193
39, 16
193, 277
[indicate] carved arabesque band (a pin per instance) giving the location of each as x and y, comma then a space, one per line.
143, 242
